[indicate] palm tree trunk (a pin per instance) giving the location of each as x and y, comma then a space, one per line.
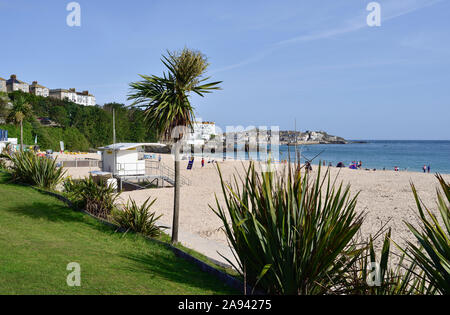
176, 198
21, 136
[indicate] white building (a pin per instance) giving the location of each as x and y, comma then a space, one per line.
127, 158
63, 94
3, 85
202, 132
39, 90
86, 99
80, 98
16, 85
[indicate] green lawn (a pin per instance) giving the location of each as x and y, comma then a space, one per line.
39, 236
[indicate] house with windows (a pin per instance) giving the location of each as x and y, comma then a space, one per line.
63, 94
80, 98
13, 84
86, 99
39, 90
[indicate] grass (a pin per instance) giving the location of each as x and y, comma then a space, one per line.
39, 236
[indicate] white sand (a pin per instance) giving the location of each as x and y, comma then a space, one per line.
384, 196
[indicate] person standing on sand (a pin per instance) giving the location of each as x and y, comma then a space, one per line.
424, 168
203, 162
429, 169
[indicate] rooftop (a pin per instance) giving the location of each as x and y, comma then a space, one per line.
127, 146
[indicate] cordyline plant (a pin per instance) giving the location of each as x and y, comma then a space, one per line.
28, 168
138, 218
291, 234
371, 276
98, 197
432, 256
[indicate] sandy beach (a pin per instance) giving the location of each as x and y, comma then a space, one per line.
385, 196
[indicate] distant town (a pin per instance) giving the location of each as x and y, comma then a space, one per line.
14, 84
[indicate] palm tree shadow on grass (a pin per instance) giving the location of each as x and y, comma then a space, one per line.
176, 270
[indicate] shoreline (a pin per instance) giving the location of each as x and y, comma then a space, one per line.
384, 196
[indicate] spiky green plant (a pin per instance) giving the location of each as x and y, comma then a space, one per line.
97, 198
28, 168
138, 218
432, 256
291, 234
371, 276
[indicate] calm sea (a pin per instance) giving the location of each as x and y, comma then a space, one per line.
379, 154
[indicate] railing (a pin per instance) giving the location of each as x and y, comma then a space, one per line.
157, 168
80, 163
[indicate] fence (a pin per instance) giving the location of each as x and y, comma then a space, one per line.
81, 163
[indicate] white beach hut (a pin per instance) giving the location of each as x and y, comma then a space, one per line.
126, 157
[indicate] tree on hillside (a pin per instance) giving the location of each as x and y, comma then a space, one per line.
4, 105
20, 109
167, 105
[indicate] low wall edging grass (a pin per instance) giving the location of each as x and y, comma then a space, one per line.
222, 276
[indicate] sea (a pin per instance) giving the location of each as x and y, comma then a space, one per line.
379, 154
406, 155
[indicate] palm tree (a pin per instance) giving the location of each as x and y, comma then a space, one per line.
167, 107
20, 109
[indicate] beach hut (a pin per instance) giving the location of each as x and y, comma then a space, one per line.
126, 157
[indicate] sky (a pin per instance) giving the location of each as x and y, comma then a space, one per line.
319, 66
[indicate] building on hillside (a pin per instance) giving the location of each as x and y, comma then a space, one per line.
3, 85
16, 85
86, 99
39, 90
80, 98
63, 94
202, 132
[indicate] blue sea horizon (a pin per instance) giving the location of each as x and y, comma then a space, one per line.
409, 155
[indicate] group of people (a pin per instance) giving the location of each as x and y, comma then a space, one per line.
426, 168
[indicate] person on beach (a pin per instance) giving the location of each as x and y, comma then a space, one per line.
203, 162
424, 168
429, 169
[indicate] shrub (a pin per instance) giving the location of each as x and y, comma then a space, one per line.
290, 237
96, 198
433, 255
381, 279
27, 167
138, 218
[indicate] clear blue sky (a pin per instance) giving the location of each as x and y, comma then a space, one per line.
279, 60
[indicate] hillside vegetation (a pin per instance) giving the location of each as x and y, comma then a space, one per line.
80, 127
